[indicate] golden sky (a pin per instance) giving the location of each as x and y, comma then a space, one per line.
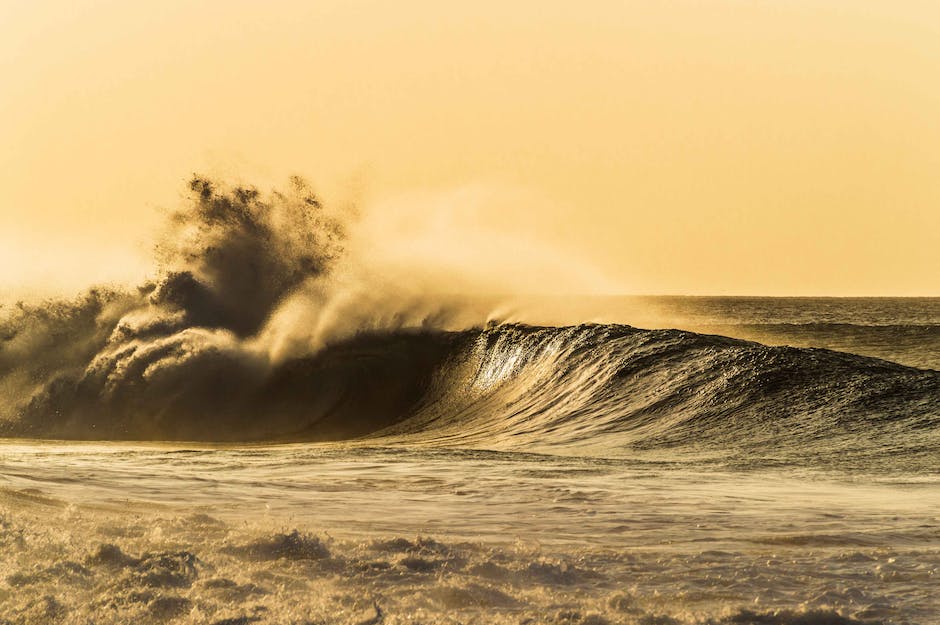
677, 146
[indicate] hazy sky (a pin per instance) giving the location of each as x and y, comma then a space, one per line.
678, 146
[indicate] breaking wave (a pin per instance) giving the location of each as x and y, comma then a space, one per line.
251, 332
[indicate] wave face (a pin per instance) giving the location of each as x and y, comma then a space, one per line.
606, 389
609, 389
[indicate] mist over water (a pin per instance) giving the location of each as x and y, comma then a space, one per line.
359, 441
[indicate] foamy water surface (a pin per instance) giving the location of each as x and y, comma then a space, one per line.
325, 533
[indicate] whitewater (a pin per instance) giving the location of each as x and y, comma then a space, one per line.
262, 433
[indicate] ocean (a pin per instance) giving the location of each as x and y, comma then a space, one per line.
766, 461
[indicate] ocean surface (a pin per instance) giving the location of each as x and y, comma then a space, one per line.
737, 461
